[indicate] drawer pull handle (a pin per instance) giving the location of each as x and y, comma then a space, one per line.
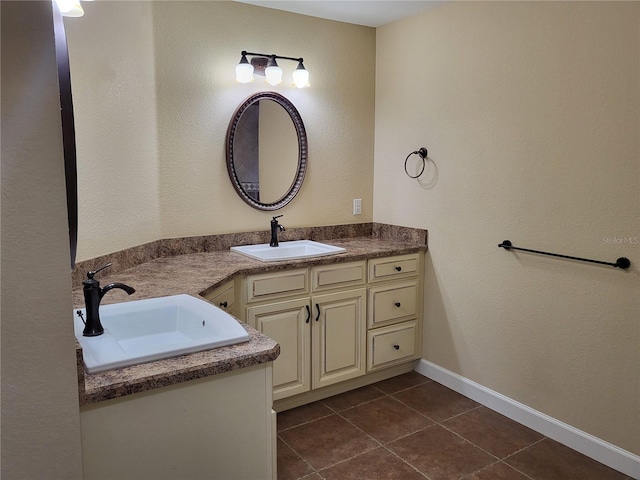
318, 308
397, 347
308, 314
397, 304
399, 269
224, 304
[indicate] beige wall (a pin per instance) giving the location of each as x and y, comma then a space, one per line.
151, 143
113, 82
40, 417
530, 112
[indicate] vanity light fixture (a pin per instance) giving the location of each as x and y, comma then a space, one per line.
70, 8
301, 76
273, 72
244, 70
266, 65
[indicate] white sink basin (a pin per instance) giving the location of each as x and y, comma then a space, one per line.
288, 250
147, 330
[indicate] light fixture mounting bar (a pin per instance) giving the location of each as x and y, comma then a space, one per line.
271, 55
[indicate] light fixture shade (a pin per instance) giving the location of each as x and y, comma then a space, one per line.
244, 71
301, 76
273, 72
70, 8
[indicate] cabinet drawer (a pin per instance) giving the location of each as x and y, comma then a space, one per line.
392, 303
277, 284
393, 267
391, 345
339, 275
222, 297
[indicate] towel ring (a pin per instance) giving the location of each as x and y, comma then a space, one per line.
422, 152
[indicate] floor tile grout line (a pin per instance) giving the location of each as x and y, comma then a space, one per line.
524, 448
427, 416
306, 422
315, 470
356, 405
499, 460
405, 461
463, 413
467, 475
299, 456
491, 465
331, 465
518, 470
333, 410
384, 394
380, 444
406, 388
470, 442
518, 451
384, 445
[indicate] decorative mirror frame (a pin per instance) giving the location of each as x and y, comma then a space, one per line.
68, 130
302, 150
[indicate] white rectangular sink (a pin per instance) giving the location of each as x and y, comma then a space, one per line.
146, 330
293, 250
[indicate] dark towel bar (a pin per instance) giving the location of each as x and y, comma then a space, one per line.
622, 262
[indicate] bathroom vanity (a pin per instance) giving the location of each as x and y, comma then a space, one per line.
317, 327
337, 324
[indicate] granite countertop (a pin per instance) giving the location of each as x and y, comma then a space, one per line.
195, 274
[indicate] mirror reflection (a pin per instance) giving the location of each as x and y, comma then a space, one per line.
266, 151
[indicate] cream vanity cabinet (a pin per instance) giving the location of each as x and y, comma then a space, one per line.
339, 322
394, 310
221, 426
317, 315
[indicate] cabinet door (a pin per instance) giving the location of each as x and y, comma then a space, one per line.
288, 324
339, 337
223, 297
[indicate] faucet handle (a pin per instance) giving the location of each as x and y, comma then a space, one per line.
93, 272
277, 216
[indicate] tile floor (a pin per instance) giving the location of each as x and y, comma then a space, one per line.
410, 427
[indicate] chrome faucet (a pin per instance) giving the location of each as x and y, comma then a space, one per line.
275, 228
92, 296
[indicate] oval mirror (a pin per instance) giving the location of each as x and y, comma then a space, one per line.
266, 151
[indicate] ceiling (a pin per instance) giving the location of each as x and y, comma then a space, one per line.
371, 13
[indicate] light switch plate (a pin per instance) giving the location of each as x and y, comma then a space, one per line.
357, 206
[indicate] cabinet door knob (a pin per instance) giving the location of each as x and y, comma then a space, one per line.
397, 347
318, 309
397, 304
308, 314
399, 269
224, 304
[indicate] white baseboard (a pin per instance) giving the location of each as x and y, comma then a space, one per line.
593, 447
